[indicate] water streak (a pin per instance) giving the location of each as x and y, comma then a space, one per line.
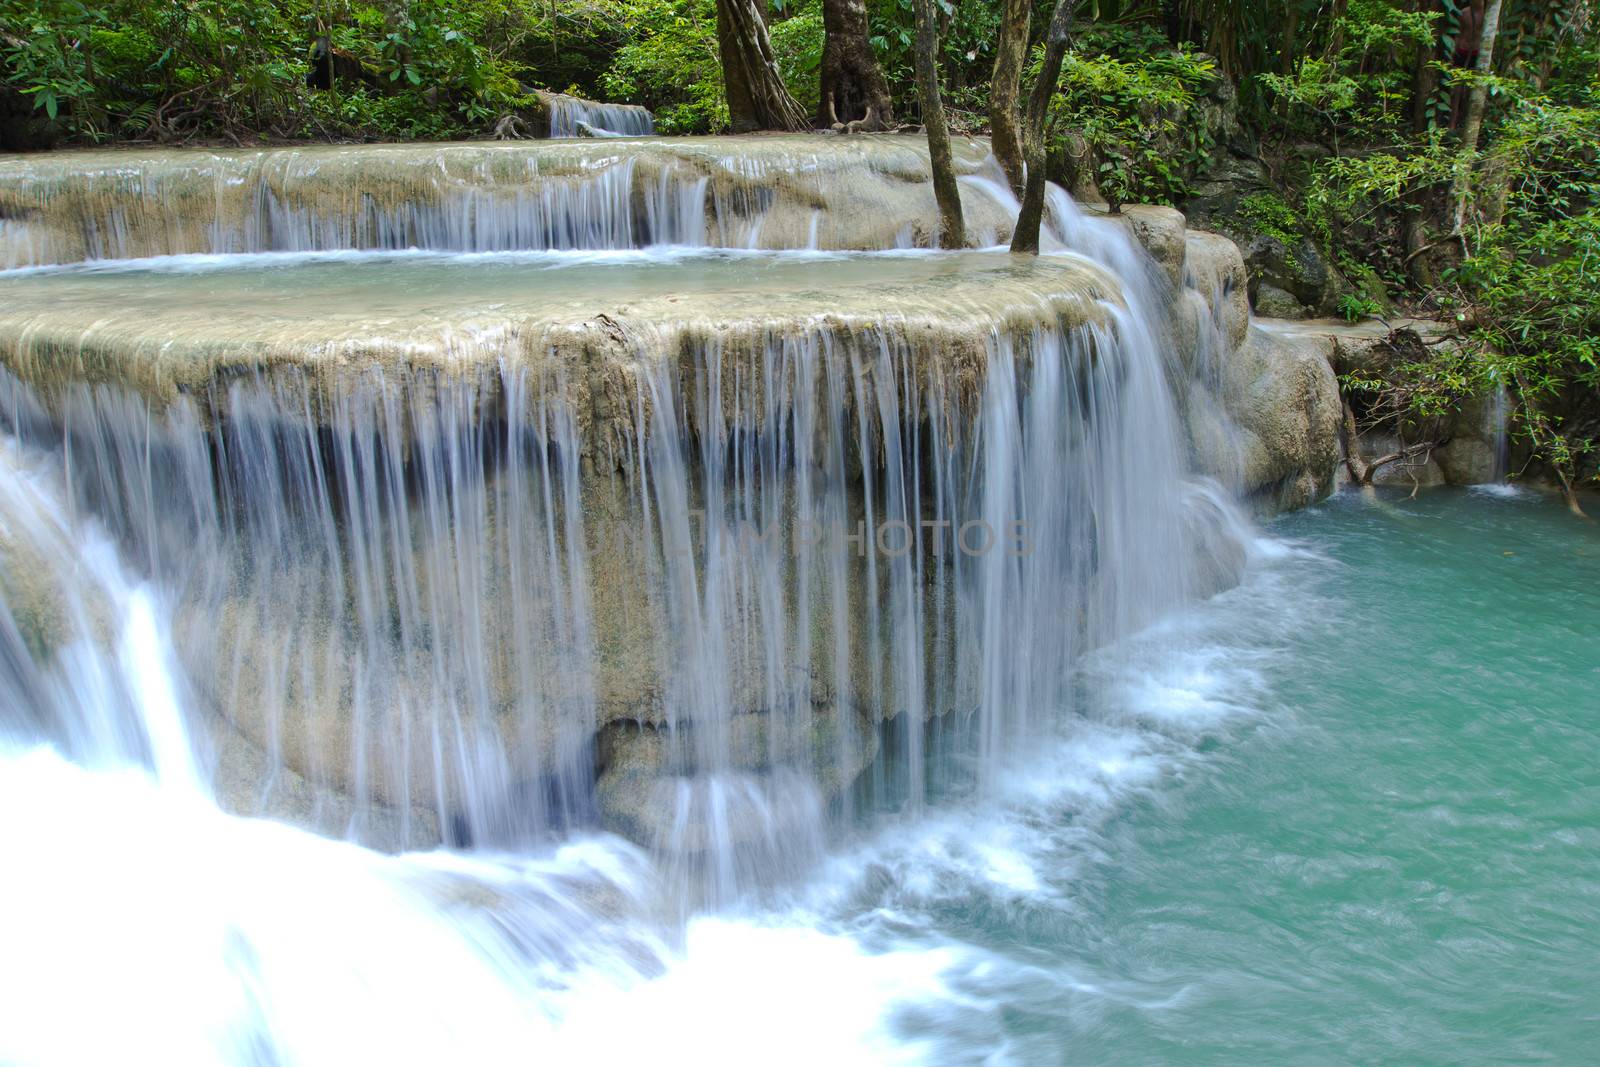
569, 115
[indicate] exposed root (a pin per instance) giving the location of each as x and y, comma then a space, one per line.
512, 128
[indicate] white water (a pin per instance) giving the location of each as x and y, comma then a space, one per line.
193, 937
1069, 680
619, 120
564, 194
1499, 428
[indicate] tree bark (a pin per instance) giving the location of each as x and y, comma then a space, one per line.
1336, 38
1172, 19
1025, 238
1414, 229
854, 90
1361, 471
1424, 78
757, 97
1498, 177
1472, 125
952, 228
1288, 52
1005, 89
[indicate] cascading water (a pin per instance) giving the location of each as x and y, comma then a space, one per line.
573, 117
412, 569
1499, 408
775, 193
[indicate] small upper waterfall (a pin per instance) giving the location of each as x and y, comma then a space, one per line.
571, 116
1500, 438
458, 508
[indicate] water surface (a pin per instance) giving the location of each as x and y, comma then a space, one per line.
1348, 812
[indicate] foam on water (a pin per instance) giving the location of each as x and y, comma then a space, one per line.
202, 938
1504, 490
1069, 684
199, 938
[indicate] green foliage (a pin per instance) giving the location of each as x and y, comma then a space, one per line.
1527, 292
1357, 306
1269, 214
1421, 383
1521, 277
967, 36
206, 68
1137, 115
44, 50
1531, 289
1355, 88
1349, 189
797, 43
1370, 285
671, 64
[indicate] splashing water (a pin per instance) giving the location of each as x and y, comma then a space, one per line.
227, 940
497, 607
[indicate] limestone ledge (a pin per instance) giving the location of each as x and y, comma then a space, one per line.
1260, 400
756, 191
1468, 455
333, 325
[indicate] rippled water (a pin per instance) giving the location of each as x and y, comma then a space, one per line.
1346, 813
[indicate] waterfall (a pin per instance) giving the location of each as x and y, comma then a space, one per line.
86, 656
1499, 418
393, 592
571, 116
430, 550
585, 541
867, 192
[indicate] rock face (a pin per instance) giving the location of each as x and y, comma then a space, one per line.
1161, 231
445, 582
1478, 452
1261, 405
472, 546
1283, 395
1289, 277
1472, 444
1274, 303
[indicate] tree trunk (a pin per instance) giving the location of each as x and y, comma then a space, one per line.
1424, 78
757, 97
1414, 230
1006, 88
1171, 18
1025, 238
952, 228
1288, 52
1336, 38
854, 90
1498, 177
1472, 126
